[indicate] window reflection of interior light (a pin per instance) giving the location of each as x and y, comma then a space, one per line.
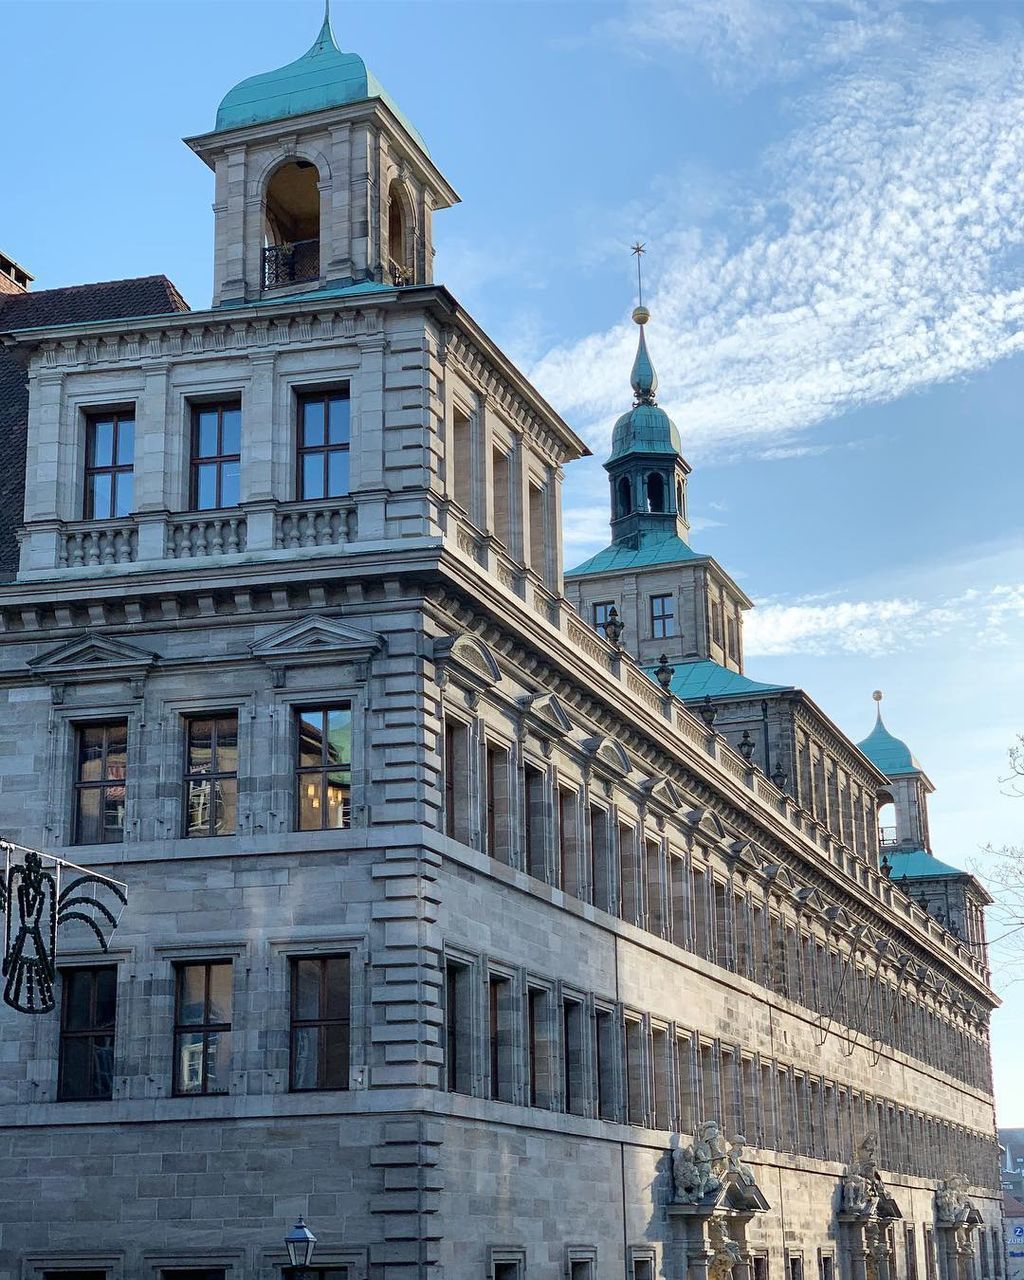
310, 791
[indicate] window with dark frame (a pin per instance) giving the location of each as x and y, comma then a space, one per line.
211, 774
202, 1027
663, 617
91, 1274
109, 465
323, 770
85, 1070
321, 1022
324, 439
602, 612
194, 1273
100, 782
314, 1273
216, 456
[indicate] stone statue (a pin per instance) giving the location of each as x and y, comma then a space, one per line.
698, 1170
862, 1183
952, 1204
735, 1160
725, 1252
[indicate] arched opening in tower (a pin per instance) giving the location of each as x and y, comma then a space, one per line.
625, 496
291, 225
655, 492
399, 237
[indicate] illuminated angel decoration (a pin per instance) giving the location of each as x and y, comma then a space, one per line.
36, 906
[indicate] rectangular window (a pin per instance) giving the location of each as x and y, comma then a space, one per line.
601, 612
202, 1027
211, 775
663, 617
660, 1076
796, 1267
538, 531
826, 1266
100, 782
507, 1264
568, 843
538, 1019
629, 897
600, 870
716, 623
656, 912
458, 1019
572, 1056
309, 1273
497, 817
501, 470
216, 456
760, 1266
194, 1273
534, 820
634, 1072
606, 1051
499, 1032
910, 1244
684, 1083
91, 1274
109, 465
321, 1022
324, 444
642, 1266
462, 459
323, 767
88, 1008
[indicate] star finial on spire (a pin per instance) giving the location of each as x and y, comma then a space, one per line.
638, 251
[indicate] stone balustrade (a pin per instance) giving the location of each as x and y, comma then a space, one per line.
204, 535
90, 543
302, 525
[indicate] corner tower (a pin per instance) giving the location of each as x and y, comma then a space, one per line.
669, 598
321, 182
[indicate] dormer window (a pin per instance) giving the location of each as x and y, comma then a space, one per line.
291, 253
109, 465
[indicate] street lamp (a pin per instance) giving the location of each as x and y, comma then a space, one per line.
300, 1243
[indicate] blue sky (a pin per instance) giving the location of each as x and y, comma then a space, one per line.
832, 196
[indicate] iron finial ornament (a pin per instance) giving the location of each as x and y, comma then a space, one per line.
613, 627
664, 672
746, 746
36, 906
886, 866
708, 711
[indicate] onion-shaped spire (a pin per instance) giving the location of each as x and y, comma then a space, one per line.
643, 378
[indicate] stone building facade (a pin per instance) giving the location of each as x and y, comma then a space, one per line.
449, 927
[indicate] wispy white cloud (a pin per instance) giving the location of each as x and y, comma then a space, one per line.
994, 616
878, 249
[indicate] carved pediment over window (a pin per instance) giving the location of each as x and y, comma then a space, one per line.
708, 823
780, 880
662, 792
744, 856
810, 900
606, 751
470, 658
545, 716
316, 639
839, 920
92, 657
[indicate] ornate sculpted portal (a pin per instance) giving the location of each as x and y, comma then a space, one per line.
714, 1196
37, 901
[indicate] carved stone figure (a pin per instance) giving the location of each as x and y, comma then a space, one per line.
735, 1160
862, 1184
725, 1252
952, 1204
698, 1169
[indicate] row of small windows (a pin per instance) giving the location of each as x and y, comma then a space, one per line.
521, 1039
589, 852
320, 1028
198, 1273
323, 444
322, 741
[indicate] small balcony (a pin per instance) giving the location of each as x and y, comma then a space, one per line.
887, 837
400, 275
294, 262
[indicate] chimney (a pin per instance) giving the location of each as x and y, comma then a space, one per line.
13, 279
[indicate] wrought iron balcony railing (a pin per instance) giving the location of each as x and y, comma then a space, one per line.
291, 263
887, 836
399, 275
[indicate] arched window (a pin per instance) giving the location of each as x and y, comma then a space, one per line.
886, 820
625, 497
399, 236
679, 497
655, 492
291, 230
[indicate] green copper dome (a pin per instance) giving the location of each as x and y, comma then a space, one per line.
891, 755
645, 428
323, 77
